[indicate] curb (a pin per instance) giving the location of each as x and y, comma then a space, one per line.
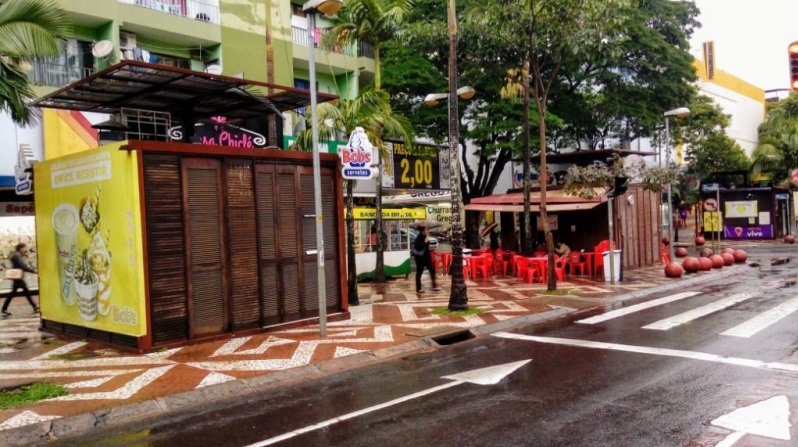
183, 403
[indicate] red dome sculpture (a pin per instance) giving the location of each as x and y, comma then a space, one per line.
789, 239
700, 241
690, 264
706, 252
704, 264
728, 258
674, 270
727, 250
740, 256
717, 261
680, 252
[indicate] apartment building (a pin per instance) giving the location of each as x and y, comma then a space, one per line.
262, 40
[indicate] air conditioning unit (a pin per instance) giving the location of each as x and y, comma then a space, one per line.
127, 40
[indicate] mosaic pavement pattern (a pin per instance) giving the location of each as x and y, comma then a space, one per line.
98, 376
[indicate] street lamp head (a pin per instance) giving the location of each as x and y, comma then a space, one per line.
681, 112
325, 7
466, 92
433, 99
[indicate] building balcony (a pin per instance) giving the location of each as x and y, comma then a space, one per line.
301, 36
48, 74
204, 10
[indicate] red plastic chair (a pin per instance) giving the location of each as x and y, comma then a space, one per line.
521, 266
598, 258
664, 254
575, 262
559, 267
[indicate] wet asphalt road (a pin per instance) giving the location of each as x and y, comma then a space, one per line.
566, 396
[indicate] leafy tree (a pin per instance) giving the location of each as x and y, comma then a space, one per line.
703, 133
28, 29
372, 22
778, 140
543, 36
371, 110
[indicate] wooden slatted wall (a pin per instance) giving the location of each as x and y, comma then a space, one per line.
287, 218
309, 265
167, 274
638, 226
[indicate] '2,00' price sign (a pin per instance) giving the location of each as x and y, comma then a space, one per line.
418, 168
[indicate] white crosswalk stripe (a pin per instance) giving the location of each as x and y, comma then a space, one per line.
686, 317
764, 320
637, 307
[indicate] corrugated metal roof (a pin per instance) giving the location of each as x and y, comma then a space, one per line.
141, 85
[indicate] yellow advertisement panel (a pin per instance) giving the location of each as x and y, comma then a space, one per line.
390, 213
713, 221
91, 271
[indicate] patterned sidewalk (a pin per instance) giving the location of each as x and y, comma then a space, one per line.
100, 377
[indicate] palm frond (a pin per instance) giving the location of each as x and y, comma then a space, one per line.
31, 28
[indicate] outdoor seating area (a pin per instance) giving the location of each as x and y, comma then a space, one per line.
483, 264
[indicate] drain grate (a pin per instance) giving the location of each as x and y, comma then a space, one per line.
453, 337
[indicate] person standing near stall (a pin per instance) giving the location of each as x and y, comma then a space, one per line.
421, 253
18, 262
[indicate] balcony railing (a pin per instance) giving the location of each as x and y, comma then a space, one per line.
204, 10
300, 36
55, 75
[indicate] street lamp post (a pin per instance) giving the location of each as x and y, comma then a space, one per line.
681, 112
311, 8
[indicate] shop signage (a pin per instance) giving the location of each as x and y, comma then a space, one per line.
784, 196
23, 176
712, 221
357, 156
747, 208
219, 133
416, 168
710, 187
754, 232
8, 209
390, 213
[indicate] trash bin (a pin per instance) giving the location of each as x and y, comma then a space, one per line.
616, 257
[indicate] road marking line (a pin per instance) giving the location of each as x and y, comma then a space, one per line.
637, 307
764, 320
686, 317
693, 355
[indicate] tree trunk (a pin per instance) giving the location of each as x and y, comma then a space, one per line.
458, 298
472, 239
542, 179
526, 239
351, 260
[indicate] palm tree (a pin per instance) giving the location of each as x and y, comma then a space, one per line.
372, 22
371, 110
28, 29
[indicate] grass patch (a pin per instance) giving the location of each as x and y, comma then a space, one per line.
30, 393
559, 292
457, 313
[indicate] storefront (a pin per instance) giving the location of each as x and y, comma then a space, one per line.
746, 213
156, 243
397, 235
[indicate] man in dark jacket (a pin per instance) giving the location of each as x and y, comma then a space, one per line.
423, 258
18, 262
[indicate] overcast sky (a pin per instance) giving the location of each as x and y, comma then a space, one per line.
751, 38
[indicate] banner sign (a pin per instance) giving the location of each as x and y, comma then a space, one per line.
754, 232
416, 168
91, 270
8, 209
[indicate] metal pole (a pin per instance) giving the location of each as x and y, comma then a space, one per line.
667, 166
612, 241
317, 179
719, 227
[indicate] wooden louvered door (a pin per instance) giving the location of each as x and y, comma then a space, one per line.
166, 248
205, 253
268, 244
243, 246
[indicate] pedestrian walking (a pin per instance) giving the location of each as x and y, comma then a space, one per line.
423, 257
18, 262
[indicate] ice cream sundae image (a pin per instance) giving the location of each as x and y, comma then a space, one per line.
99, 259
86, 284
